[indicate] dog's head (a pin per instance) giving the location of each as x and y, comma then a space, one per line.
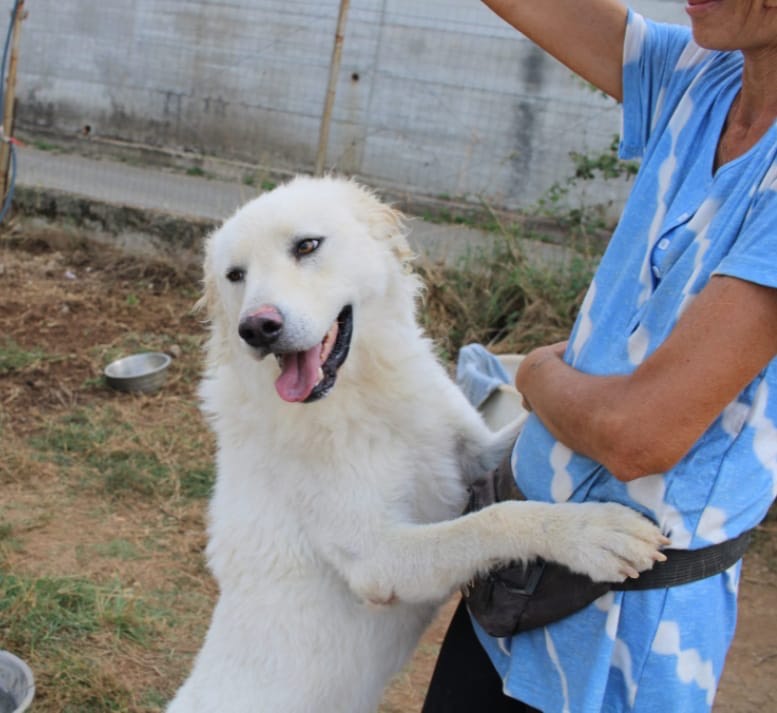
291, 272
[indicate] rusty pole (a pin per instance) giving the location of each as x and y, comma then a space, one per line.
9, 99
334, 71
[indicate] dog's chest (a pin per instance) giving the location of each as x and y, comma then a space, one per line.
257, 531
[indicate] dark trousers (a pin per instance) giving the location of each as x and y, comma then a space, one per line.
464, 679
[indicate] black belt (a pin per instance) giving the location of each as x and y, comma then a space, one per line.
685, 566
680, 567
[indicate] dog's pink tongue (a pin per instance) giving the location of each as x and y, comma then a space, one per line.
299, 374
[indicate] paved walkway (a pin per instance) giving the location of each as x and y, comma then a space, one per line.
179, 194
125, 184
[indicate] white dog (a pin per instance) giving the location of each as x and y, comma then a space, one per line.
344, 454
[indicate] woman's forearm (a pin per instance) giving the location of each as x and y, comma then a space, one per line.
646, 421
586, 413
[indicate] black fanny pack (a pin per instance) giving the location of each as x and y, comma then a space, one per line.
519, 597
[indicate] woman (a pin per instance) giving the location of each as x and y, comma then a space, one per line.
665, 397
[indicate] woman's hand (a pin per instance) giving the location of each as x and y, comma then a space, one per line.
531, 363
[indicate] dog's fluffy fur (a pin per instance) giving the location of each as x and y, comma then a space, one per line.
333, 528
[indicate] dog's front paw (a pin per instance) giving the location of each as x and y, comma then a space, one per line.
610, 542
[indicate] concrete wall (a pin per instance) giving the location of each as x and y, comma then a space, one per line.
435, 97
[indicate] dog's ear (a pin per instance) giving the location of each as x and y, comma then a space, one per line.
215, 314
386, 223
207, 301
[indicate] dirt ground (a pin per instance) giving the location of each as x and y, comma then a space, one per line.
68, 307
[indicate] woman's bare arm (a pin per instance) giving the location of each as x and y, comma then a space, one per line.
586, 35
645, 422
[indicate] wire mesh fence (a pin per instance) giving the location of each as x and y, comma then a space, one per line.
438, 99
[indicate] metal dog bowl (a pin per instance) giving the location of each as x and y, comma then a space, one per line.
144, 372
17, 685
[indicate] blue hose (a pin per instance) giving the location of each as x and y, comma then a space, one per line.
11, 148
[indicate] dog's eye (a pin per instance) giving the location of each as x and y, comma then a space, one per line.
306, 246
236, 274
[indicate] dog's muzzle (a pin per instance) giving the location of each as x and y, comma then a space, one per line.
306, 375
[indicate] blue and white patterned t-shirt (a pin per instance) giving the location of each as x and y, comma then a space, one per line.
662, 650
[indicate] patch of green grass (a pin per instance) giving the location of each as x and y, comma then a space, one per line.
52, 612
42, 145
93, 383
195, 171
5, 531
154, 699
8, 542
74, 437
198, 482
121, 456
264, 184
118, 549
82, 686
135, 470
54, 622
471, 218
14, 358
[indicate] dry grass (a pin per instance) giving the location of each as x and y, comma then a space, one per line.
497, 297
103, 588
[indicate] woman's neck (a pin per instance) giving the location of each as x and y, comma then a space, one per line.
753, 110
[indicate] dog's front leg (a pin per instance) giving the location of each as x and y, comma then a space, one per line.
422, 563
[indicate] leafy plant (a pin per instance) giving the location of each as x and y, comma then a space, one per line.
586, 219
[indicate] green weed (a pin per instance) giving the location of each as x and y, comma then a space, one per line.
8, 541
51, 612
14, 358
5, 531
134, 471
72, 438
118, 549
583, 221
102, 447
78, 684
56, 620
198, 482
42, 145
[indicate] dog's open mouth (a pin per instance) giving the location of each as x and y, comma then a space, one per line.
310, 375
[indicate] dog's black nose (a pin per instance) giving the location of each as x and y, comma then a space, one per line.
261, 328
